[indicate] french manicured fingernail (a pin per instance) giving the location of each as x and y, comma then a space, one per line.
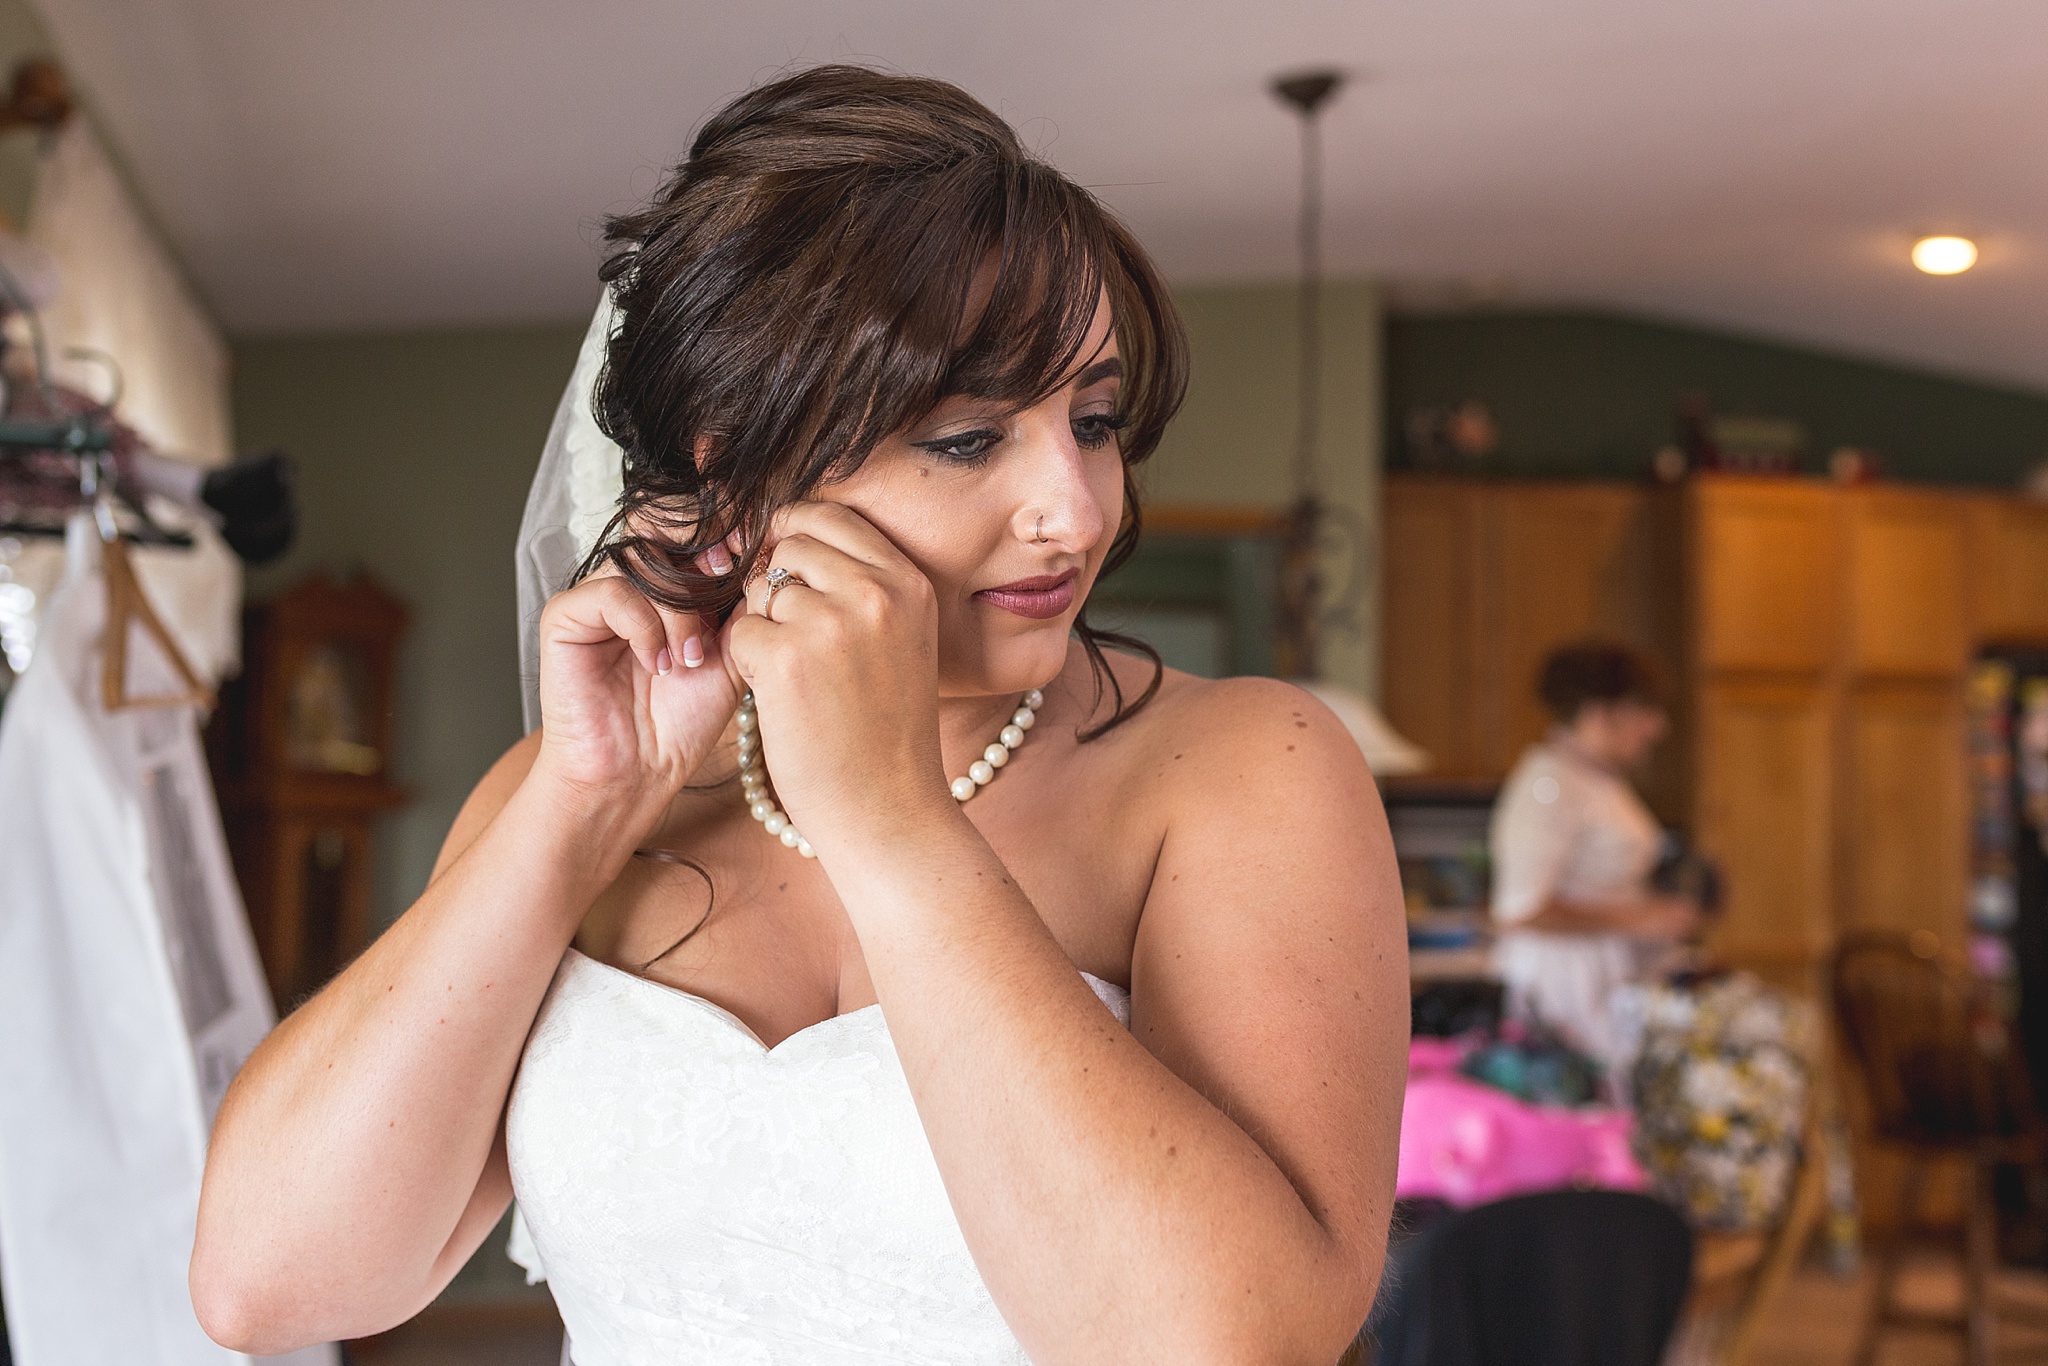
662, 663
693, 651
719, 561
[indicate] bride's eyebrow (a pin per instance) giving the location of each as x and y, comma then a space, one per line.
1111, 367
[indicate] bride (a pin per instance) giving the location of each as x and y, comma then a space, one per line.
861, 963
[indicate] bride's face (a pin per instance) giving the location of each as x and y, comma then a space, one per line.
1008, 513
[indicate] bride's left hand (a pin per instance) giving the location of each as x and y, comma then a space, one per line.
844, 669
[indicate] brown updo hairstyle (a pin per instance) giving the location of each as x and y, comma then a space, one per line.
1585, 672
798, 288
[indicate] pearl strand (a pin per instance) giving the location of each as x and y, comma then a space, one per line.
762, 807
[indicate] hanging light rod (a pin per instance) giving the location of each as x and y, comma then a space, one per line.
1307, 90
1300, 608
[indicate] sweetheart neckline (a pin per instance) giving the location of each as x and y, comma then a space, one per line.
720, 1012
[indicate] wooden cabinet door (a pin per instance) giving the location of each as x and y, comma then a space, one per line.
1764, 566
1435, 684
1904, 813
2008, 570
1482, 581
1763, 762
1568, 562
1905, 583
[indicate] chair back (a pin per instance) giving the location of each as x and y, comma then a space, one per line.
1937, 1062
1561, 1278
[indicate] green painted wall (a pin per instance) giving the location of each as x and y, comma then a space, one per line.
414, 454
1581, 393
1235, 440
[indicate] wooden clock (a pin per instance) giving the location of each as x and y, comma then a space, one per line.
301, 750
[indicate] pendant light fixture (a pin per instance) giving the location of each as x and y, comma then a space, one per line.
1301, 585
1302, 610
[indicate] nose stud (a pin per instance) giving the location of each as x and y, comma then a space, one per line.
1038, 533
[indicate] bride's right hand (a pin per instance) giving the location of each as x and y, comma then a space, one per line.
626, 715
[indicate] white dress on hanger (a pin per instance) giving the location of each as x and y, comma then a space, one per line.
692, 1196
130, 993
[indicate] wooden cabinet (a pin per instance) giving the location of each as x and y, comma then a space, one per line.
1904, 818
1764, 767
1432, 546
1569, 562
1763, 625
1482, 581
1904, 571
1818, 637
2008, 569
1761, 563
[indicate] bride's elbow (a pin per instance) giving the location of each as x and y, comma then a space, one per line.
255, 1296
234, 1275
238, 1310
1319, 1327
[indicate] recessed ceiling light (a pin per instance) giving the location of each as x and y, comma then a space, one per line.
1944, 255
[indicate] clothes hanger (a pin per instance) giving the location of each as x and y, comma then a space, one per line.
128, 607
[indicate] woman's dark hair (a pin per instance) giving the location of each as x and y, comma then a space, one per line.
798, 289
1590, 671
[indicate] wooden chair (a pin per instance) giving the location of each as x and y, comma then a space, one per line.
1941, 1078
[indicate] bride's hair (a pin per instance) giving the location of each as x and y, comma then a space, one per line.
798, 289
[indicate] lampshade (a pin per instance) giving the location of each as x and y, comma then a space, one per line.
1389, 754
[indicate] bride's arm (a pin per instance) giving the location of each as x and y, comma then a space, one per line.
1215, 1185
358, 1158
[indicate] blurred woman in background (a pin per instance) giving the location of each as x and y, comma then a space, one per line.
1574, 848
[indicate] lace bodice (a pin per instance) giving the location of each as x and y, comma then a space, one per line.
694, 1197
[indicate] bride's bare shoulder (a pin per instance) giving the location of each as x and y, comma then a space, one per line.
487, 799
1198, 733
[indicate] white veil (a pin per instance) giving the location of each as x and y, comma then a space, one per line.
575, 491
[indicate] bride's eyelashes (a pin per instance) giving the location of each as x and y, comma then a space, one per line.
970, 450
1094, 430
966, 449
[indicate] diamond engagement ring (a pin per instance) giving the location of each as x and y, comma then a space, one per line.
778, 579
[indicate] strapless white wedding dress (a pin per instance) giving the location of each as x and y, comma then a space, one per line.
694, 1197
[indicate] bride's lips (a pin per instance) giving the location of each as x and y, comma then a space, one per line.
1046, 595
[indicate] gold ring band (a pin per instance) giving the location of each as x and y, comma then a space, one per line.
778, 579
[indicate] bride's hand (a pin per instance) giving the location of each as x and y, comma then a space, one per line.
844, 669
632, 695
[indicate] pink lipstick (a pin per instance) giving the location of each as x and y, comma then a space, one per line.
1046, 595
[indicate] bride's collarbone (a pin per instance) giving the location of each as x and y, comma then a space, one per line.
716, 909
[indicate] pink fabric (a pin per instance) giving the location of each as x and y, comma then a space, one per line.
1467, 1143
1436, 1055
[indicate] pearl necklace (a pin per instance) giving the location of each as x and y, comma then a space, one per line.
762, 807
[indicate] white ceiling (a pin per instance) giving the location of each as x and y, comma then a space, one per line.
1755, 164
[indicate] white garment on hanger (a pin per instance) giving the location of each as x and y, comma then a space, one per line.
130, 993
196, 590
